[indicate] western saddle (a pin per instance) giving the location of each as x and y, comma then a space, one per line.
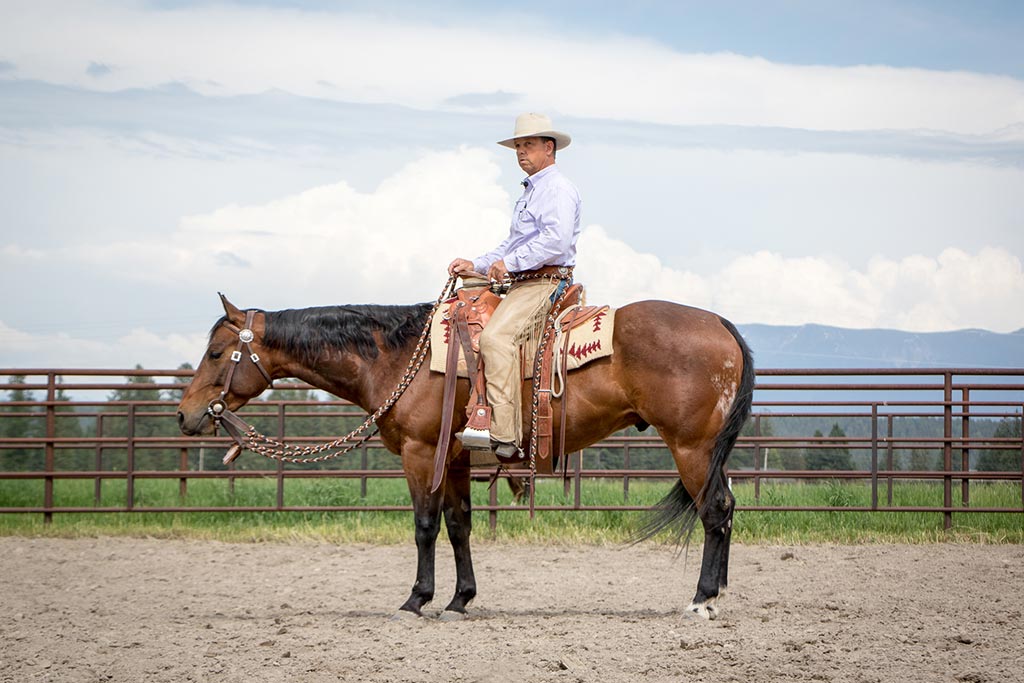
467, 315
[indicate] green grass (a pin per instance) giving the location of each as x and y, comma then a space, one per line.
515, 526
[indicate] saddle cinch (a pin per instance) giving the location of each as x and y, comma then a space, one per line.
575, 334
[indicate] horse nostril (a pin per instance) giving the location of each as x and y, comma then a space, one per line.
181, 419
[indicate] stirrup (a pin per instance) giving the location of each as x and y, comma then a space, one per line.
475, 439
507, 450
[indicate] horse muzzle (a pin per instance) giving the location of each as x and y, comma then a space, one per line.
195, 424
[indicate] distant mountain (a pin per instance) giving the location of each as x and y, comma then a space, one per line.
818, 346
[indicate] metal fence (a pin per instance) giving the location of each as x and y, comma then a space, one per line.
952, 427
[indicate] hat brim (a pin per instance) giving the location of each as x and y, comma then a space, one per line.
562, 140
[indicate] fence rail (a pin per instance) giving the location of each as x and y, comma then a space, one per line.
951, 426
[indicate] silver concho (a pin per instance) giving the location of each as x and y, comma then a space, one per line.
246, 335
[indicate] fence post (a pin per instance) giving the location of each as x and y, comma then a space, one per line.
48, 449
947, 450
1022, 457
889, 457
280, 464
492, 514
565, 480
130, 475
757, 459
965, 449
578, 478
625, 478
98, 486
874, 456
364, 462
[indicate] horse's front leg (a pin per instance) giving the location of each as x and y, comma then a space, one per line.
427, 519
458, 515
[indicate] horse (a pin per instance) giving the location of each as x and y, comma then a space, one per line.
685, 371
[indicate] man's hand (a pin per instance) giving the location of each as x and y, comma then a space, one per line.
498, 271
460, 266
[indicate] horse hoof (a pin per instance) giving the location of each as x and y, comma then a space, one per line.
706, 611
404, 615
452, 615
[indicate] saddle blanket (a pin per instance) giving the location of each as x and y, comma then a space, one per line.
589, 341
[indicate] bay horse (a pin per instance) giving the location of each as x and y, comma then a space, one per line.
685, 371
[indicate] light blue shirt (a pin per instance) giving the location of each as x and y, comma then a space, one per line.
545, 225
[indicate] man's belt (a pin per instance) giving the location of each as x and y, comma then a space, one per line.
545, 273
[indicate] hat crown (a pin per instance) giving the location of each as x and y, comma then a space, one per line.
532, 124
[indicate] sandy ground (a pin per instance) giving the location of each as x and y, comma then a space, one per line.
153, 610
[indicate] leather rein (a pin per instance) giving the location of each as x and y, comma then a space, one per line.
246, 436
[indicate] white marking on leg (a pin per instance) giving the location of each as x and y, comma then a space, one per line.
705, 610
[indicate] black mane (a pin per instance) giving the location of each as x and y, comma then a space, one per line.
308, 332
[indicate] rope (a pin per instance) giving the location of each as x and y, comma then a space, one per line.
271, 448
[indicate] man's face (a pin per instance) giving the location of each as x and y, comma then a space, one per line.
534, 154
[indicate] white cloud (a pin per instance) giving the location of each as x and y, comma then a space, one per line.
232, 48
28, 350
338, 244
615, 273
916, 293
333, 244
328, 244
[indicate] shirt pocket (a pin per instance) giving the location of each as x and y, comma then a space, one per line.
519, 211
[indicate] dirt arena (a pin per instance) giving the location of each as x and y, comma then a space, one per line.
155, 610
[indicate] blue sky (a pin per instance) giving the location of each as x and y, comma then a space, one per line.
849, 164
932, 34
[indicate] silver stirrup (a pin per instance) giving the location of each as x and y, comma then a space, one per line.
479, 439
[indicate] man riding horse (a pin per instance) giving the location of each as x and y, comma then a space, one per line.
682, 371
536, 259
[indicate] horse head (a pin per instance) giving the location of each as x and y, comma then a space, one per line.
233, 370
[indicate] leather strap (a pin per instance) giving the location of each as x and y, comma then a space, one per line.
447, 408
472, 364
554, 272
565, 398
236, 357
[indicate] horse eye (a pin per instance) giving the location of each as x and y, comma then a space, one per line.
214, 355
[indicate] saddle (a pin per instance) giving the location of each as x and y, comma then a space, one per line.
458, 327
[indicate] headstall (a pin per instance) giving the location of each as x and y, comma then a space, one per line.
217, 406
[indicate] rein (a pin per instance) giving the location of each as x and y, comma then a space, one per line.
246, 436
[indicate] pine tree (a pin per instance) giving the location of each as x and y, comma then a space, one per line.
68, 424
833, 456
1003, 459
21, 422
143, 426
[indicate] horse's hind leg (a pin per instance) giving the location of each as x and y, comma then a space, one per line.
716, 516
459, 520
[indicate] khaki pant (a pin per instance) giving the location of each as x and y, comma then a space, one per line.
500, 351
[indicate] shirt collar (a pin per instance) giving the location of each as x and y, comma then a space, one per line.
538, 176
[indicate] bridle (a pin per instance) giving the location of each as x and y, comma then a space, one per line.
218, 407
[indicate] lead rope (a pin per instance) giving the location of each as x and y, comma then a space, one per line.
277, 450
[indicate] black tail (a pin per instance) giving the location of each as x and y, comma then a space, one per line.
678, 511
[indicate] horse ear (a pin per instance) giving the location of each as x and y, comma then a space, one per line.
233, 313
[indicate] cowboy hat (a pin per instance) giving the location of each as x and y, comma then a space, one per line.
536, 125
